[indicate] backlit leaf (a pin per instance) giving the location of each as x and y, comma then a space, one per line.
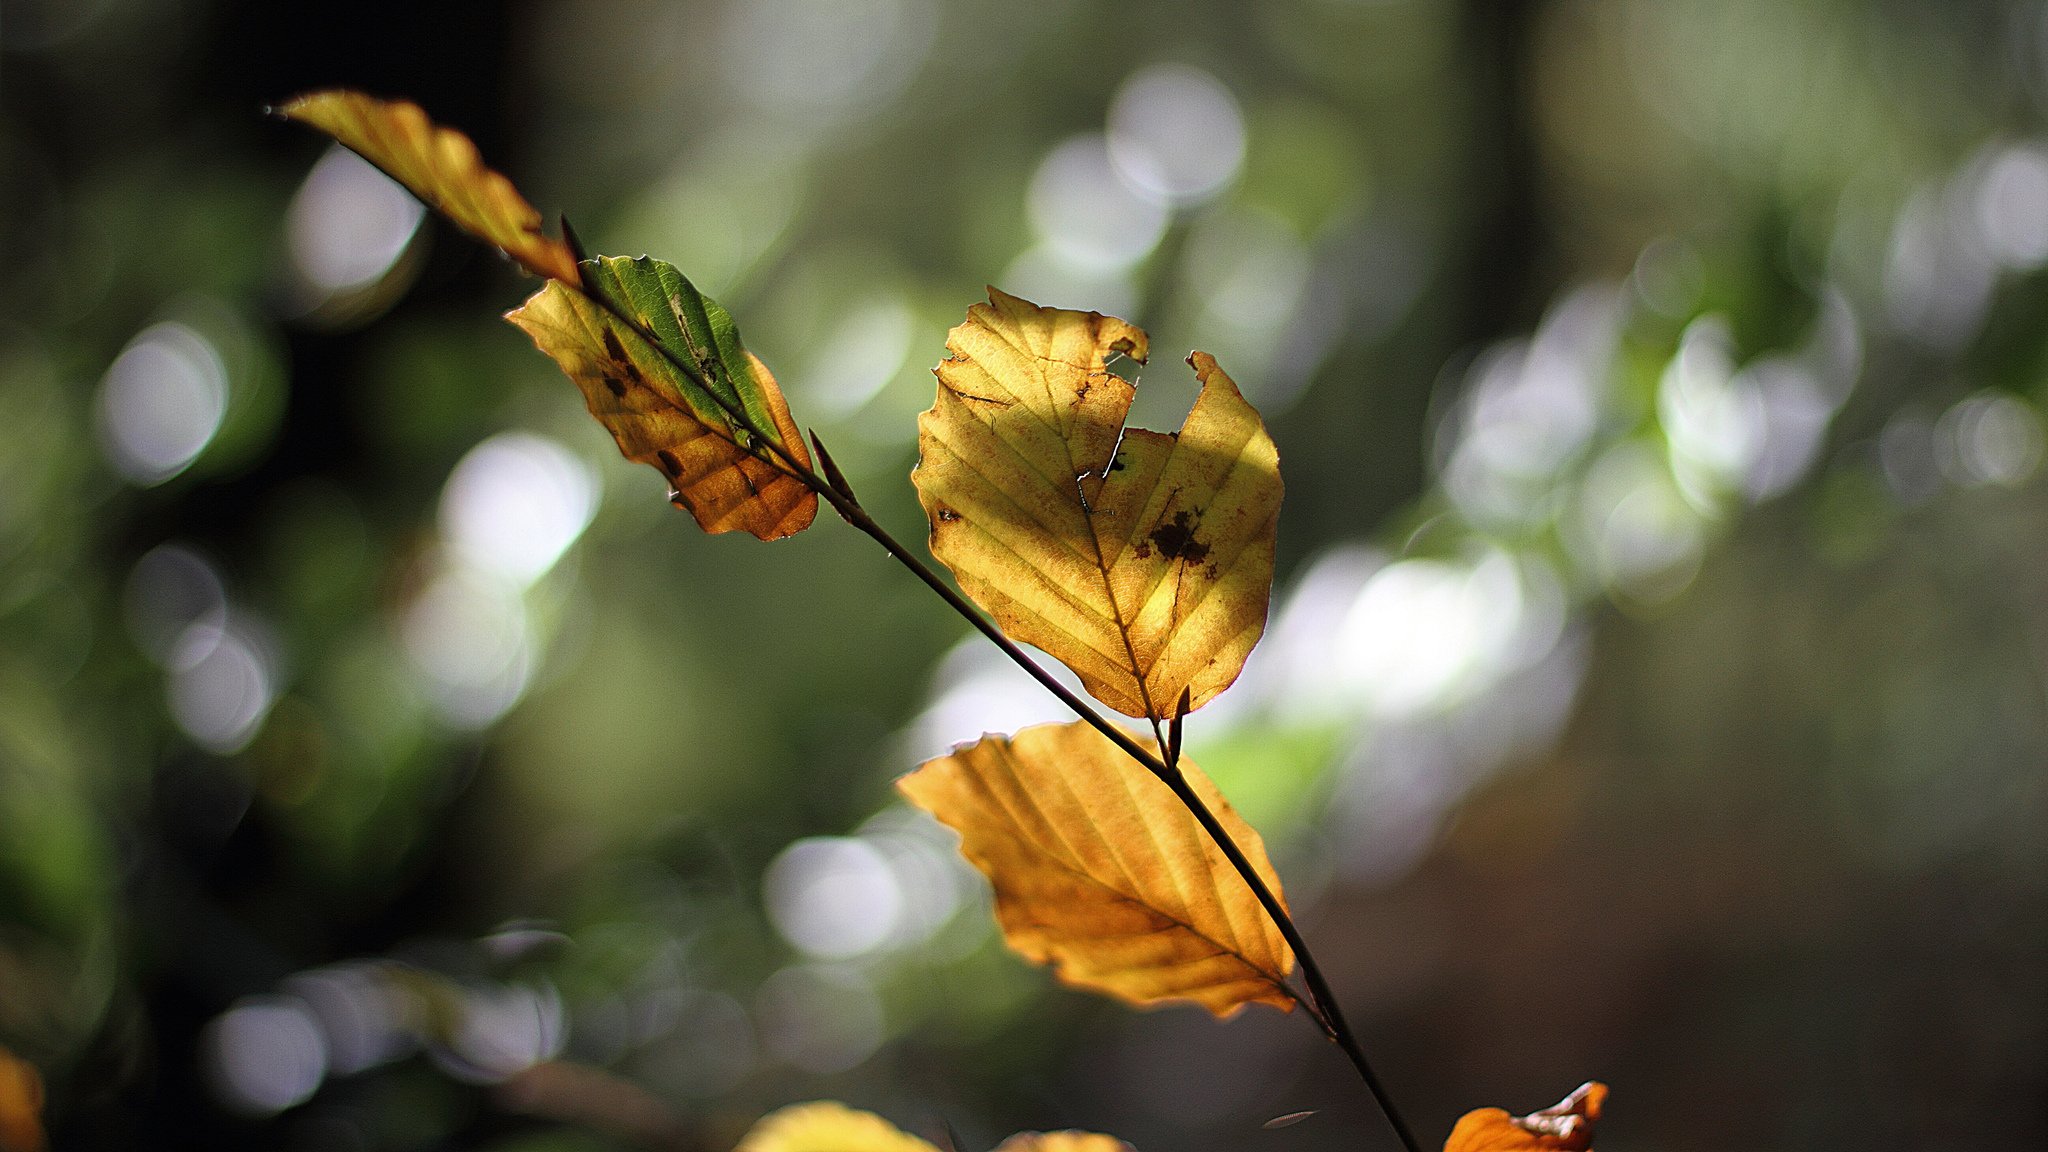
826, 1126
440, 166
1566, 1126
1100, 871
21, 1105
1143, 560
725, 475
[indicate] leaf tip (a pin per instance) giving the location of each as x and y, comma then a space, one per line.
833, 475
1570, 1121
1205, 365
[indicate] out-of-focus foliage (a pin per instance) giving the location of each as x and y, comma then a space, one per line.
1652, 687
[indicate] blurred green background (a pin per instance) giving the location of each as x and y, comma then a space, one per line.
1655, 688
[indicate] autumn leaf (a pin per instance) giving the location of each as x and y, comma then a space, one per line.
1143, 560
21, 1105
1566, 1126
682, 422
440, 166
1100, 871
826, 1126
1062, 1142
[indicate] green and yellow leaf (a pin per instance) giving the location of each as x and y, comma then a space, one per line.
440, 166
1142, 560
683, 423
1566, 1126
1100, 871
827, 1126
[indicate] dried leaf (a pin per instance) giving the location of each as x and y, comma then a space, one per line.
680, 422
1142, 560
1566, 1126
827, 1126
21, 1105
440, 166
1101, 872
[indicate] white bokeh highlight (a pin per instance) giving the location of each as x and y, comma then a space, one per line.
161, 403
1176, 134
515, 503
265, 1054
348, 224
833, 897
222, 684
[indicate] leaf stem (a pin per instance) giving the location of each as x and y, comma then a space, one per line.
1329, 1015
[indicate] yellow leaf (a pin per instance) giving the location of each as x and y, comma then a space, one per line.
440, 166
1062, 1142
1100, 871
1566, 1126
662, 416
827, 1126
1142, 560
21, 1105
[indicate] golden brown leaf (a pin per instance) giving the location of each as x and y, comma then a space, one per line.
1142, 560
665, 417
440, 166
1100, 871
21, 1105
1566, 1126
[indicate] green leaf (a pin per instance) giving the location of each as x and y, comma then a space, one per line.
699, 329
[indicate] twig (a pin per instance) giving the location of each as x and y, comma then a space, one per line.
1320, 1003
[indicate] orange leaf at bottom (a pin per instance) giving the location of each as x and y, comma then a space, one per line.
1566, 1126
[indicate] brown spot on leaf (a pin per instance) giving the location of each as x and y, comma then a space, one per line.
613, 348
616, 386
1176, 539
669, 463
944, 515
